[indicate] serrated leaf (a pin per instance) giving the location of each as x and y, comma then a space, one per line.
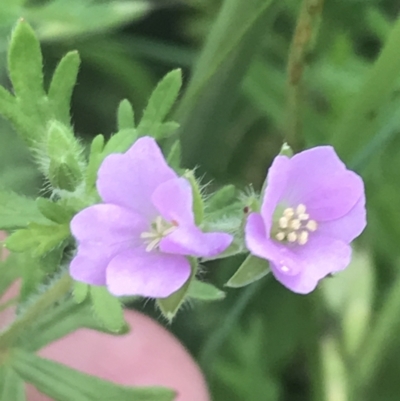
39, 239
120, 142
107, 308
169, 306
65, 384
198, 203
62, 85
96, 149
160, 103
80, 292
204, 291
12, 387
221, 198
17, 211
125, 115
164, 130
25, 63
252, 269
61, 320
54, 211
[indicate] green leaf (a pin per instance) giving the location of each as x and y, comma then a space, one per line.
39, 239
360, 121
204, 291
12, 387
65, 384
96, 149
9, 272
62, 85
125, 116
107, 308
25, 63
81, 291
206, 109
120, 142
169, 306
53, 211
59, 321
17, 211
252, 269
198, 203
221, 198
160, 103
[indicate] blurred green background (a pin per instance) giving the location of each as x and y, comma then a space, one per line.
261, 342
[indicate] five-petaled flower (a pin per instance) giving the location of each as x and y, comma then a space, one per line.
313, 207
138, 240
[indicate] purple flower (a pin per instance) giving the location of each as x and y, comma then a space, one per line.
312, 209
138, 240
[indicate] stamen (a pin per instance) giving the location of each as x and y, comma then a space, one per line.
301, 209
303, 216
283, 222
292, 236
159, 229
312, 225
280, 236
295, 224
288, 212
303, 238
148, 235
152, 245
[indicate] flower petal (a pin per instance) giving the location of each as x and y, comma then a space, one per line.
129, 179
104, 224
263, 247
320, 180
191, 241
347, 227
173, 199
148, 274
278, 175
90, 263
319, 257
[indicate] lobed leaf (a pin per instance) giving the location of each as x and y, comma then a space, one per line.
65, 384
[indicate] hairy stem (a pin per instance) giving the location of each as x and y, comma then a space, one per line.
54, 293
302, 42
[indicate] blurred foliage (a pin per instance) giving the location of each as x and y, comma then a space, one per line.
266, 343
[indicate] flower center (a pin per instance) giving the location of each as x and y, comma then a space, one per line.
159, 229
294, 225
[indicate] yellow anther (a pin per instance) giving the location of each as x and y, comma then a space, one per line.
292, 236
312, 225
302, 238
295, 224
300, 209
288, 212
280, 236
283, 222
303, 216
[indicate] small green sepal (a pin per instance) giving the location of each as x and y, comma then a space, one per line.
252, 269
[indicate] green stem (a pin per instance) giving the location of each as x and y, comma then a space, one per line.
302, 42
55, 292
376, 347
